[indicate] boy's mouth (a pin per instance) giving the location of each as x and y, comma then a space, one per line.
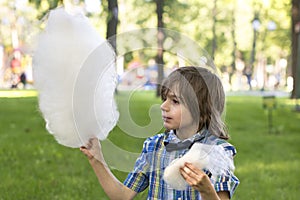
166, 118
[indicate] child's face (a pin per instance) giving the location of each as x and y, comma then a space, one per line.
176, 116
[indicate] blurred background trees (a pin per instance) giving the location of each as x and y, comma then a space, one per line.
249, 40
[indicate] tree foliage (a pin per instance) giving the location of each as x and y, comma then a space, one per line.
43, 6
195, 18
232, 20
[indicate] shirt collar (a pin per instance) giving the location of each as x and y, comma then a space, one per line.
172, 142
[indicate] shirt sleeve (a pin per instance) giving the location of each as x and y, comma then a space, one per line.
138, 178
227, 182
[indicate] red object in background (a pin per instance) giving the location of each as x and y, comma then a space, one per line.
15, 63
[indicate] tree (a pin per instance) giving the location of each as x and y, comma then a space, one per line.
214, 39
234, 46
295, 48
51, 5
112, 22
160, 40
196, 19
112, 16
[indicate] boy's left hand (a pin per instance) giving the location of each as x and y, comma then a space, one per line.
196, 178
200, 181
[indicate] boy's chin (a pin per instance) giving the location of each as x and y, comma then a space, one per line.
168, 127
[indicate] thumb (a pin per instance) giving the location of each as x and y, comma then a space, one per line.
95, 149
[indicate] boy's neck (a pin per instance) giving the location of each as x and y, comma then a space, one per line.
186, 133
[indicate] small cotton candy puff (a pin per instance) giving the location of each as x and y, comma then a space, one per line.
210, 157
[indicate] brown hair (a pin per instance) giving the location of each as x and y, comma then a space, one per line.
203, 94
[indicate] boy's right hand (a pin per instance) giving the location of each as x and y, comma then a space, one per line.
93, 150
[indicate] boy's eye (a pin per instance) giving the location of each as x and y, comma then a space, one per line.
175, 101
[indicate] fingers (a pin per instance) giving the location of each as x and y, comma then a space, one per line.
86, 152
93, 149
89, 145
92, 142
188, 172
191, 170
193, 176
89, 148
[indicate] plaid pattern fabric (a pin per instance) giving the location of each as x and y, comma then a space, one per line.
149, 168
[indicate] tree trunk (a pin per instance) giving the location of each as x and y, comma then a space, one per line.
214, 39
160, 40
295, 48
112, 22
234, 49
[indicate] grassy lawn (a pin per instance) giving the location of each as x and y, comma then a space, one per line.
34, 166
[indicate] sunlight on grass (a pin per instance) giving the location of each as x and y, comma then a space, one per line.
278, 166
17, 93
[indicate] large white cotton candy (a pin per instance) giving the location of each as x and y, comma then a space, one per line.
211, 157
74, 73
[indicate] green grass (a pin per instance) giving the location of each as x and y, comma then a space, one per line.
267, 163
34, 166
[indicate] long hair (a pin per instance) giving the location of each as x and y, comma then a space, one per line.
203, 94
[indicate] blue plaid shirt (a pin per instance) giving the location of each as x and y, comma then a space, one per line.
149, 168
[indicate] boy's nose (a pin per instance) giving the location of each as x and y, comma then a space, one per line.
164, 106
